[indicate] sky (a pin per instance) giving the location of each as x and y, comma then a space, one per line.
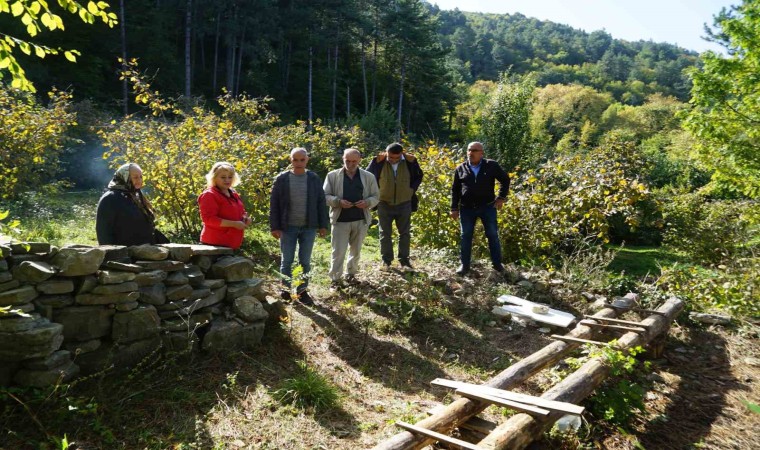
673, 21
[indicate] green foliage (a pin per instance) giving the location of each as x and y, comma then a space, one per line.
36, 15
175, 149
732, 287
709, 232
308, 389
726, 100
570, 199
32, 139
432, 224
505, 123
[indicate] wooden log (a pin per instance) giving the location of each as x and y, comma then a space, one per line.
612, 320
462, 409
521, 429
438, 436
475, 424
517, 406
580, 341
591, 323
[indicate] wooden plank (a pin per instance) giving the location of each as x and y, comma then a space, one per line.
622, 322
517, 406
437, 436
581, 341
634, 308
591, 323
473, 423
568, 408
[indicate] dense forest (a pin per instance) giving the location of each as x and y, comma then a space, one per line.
406, 61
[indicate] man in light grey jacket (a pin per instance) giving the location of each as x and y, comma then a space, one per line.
350, 193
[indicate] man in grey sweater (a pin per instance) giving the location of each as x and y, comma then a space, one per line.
297, 212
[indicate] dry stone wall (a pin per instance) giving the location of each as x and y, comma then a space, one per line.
82, 309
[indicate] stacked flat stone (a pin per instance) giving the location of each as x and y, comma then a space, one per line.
82, 309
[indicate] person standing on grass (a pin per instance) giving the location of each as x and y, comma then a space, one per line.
350, 193
398, 176
472, 198
222, 211
297, 212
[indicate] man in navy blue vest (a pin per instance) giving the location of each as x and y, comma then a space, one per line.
472, 198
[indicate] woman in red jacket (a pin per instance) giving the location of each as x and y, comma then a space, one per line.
222, 211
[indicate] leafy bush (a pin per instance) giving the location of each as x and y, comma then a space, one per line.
709, 232
734, 288
175, 149
32, 138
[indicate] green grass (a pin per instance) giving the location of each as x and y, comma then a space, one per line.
308, 388
640, 261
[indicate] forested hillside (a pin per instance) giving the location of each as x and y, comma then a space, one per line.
408, 61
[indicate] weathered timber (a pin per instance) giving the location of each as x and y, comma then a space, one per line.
475, 424
517, 406
462, 409
438, 436
521, 429
578, 340
612, 320
591, 323
508, 395
634, 308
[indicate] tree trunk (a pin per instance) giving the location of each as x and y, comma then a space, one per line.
188, 45
310, 116
286, 78
348, 100
240, 62
364, 81
401, 96
335, 83
124, 83
230, 83
374, 72
216, 53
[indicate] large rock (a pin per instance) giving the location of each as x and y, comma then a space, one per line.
249, 309
108, 289
10, 284
54, 301
223, 335
115, 277
108, 299
175, 293
49, 377
18, 296
40, 341
85, 284
154, 294
51, 361
84, 323
213, 283
233, 268
141, 323
252, 286
203, 262
195, 276
120, 355
23, 248
78, 261
150, 277
56, 286
121, 266
176, 279
115, 252
210, 250
252, 334
200, 293
12, 323
165, 265
33, 271
196, 304
179, 252
148, 252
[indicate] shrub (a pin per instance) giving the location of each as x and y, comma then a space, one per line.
709, 232
32, 138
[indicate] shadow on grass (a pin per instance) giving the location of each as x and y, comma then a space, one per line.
640, 261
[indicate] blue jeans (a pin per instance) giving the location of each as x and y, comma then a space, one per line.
467, 219
304, 237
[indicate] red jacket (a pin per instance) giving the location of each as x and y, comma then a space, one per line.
214, 207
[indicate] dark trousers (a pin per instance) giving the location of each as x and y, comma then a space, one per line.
402, 215
467, 219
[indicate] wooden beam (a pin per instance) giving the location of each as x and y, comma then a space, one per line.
462, 409
591, 323
633, 308
521, 429
517, 406
509, 395
622, 322
581, 341
438, 436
